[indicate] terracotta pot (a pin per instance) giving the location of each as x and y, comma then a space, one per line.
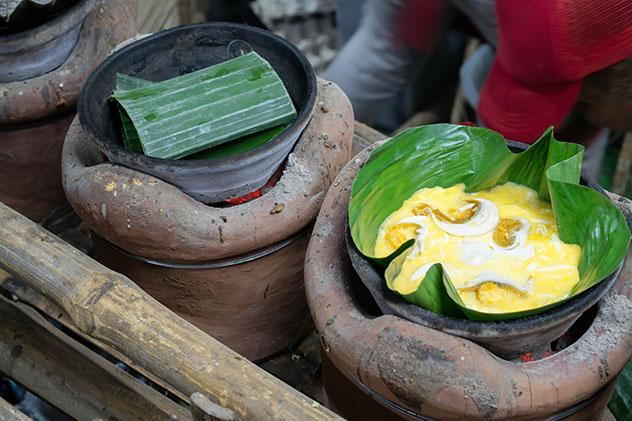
359, 403
192, 255
35, 113
436, 375
264, 312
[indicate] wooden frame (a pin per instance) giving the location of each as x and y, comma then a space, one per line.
107, 309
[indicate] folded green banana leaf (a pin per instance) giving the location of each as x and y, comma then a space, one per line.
241, 145
130, 136
190, 113
224, 150
443, 155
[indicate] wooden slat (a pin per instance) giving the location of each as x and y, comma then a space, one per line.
194, 11
70, 376
363, 136
9, 413
624, 164
154, 15
111, 308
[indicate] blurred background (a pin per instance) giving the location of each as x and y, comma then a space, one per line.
441, 85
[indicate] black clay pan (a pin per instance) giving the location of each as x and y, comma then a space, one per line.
185, 49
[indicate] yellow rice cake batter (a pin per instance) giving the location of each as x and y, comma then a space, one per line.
499, 247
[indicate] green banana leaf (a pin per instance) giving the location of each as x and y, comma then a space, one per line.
241, 145
443, 155
224, 150
130, 136
432, 293
190, 113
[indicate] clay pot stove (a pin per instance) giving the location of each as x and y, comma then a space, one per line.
378, 366
235, 272
42, 71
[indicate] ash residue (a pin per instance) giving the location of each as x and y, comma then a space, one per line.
614, 321
325, 230
296, 176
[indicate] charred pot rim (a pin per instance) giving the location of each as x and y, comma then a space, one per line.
134, 60
391, 303
33, 100
57, 26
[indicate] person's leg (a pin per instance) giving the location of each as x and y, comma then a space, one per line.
594, 153
373, 67
348, 17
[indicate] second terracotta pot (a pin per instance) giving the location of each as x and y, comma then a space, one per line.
381, 366
265, 312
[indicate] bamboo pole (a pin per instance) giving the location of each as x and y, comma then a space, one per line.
111, 308
203, 409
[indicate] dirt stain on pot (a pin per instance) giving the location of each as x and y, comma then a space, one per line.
278, 208
415, 371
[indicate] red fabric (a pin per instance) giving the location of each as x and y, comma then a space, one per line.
545, 49
420, 23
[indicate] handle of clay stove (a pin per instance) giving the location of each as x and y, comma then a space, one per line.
153, 219
396, 357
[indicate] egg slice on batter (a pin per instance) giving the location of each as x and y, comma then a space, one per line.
499, 247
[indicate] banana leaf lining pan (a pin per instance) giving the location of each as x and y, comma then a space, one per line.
508, 339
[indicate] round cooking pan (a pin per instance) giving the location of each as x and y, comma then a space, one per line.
508, 338
182, 50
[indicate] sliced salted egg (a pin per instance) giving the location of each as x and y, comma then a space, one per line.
521, 253
420, 241
510, 237
417, 220
394, 234
421, 233
492, 277
511, 233
483, 221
